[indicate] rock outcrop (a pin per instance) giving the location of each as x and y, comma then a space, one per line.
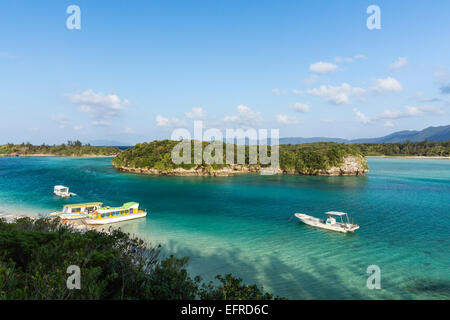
352, 166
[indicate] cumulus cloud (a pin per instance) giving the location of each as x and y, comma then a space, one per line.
61, 120
391, 114
99, 106
168, 122
101, 123
361, 116
409, 111
128, 131
301, 107
419, 96
388, 84
336, 94
400, 62
322, 67
278, 92
196, 113
245, 117
285, 119
349, 59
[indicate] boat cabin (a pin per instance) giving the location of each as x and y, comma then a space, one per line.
82, 207
127, 208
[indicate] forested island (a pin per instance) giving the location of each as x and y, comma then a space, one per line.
71, 149
311, 159
35, 255
411, 149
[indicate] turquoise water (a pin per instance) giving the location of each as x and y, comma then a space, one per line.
245, 225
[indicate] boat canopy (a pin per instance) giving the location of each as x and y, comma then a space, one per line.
336, 213
125, 206
84, 205
61, 188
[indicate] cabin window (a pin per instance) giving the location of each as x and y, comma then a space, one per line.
107, 214
103, 215
76, 210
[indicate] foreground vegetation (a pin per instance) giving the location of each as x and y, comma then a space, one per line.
304, 157
71, 149
425, 148
35, 254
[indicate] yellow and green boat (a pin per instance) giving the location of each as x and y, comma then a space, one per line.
105, 215
77, 211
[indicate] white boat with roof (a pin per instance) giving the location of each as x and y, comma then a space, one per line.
330, 223
62, 191
77, 211
105, 215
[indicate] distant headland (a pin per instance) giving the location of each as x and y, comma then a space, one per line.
71, 149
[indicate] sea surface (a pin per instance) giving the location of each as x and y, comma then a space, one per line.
245, 225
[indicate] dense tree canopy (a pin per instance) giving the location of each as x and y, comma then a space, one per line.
35, 254
424, 148
72, 148
304, 157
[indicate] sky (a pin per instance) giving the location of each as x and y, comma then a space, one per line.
137, 70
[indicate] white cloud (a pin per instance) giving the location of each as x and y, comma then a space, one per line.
285, 119
99, 106
390, 114
336, 94
128, 131
349, 59
101, 123
400, 62
301, 107
388, 84
410, 111
361, 116
169, 122
278, 92
196, 113
61, 119
246, 117
389, 124
322, 67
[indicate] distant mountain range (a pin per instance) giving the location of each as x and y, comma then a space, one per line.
108, 143
441, 133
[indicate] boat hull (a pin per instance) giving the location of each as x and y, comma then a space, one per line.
69, 216
318, 223
115, 219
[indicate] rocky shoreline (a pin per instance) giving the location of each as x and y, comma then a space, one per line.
352, 166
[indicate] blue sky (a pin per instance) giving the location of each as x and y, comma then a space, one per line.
137, 70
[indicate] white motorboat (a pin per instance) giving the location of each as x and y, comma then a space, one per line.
62, 191
330, 223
